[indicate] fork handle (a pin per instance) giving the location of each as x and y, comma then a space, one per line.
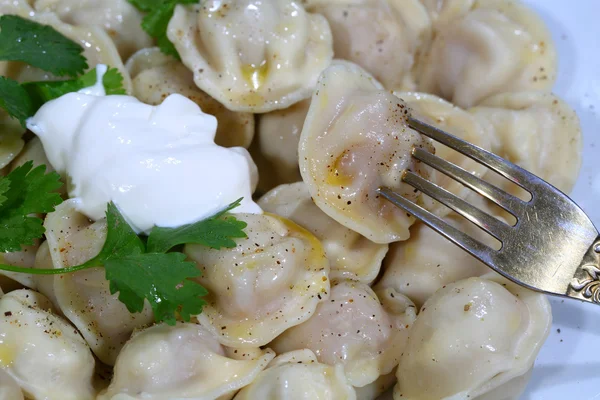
586, 282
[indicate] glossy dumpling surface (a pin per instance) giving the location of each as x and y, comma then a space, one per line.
498, 46
269, 282
156, 75
298, 375
356, 139
180, 362
9, 389
537, 131
42, 352
356, 328
252, 55
471, 337
351, 256
382, 36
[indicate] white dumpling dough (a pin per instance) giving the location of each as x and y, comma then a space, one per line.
9, 388
537, 131
498, 46
11, 142
298, 375
357, 328
470, 338
156, 75
84, 296
382, 36
180, 362
443, 12
356, 139
252, 55
118, 18
42, 352
269, 282
351, 256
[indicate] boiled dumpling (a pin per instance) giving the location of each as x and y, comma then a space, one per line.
357, 328
181, 362
377, 388
11, 142
427, 261
537, 131
498, 46
382, 36
84, 296
251, 55
275, 149
118, 18
156, 75
298, 375
443, 12
98, 47
444, 115
351, 256
9, 388
471, 337
270, 281
43, 353
356, 139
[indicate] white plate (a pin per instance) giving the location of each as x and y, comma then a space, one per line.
568, 366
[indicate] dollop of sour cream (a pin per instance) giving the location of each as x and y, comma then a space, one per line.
158, 164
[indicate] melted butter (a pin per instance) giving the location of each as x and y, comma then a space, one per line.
336, 175
255, 75
7, 354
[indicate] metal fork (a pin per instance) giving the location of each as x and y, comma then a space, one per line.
553, 248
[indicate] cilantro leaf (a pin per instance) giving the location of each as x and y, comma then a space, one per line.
155, 23
40, 46
15, 100
214, 232
160, 278
30, 190
42, 92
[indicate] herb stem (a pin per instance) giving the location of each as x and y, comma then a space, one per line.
34, 271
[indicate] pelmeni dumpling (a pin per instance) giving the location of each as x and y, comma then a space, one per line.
498, 46
98, 47
537, 131
119, 19
84, 296
373, 390
24, 258
351, 256
355, 328
9, 388
180, 362
356, 139
382, 36
298, 375
471, 337
11, 142
156, 75
275, 149
43, 353
420, 266
269, 282
442, 12
444, 115
252, 55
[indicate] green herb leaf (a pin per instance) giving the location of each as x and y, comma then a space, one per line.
42, 92
215, 232
162, 279
146, 5
30, 190
15, 100
40, 46
4, 186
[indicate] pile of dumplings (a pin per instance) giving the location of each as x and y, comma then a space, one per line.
335, 294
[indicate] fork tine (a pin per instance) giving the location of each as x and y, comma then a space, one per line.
510, 203
477, 249
483, 220
507, 169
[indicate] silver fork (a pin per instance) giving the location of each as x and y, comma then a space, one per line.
553, 248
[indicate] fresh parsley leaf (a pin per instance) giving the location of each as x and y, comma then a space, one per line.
15, 100
4, 186
30, 191
42, 92
156, 21
214, 232
163, 279
40, 46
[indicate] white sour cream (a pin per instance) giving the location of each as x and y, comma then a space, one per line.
158, 164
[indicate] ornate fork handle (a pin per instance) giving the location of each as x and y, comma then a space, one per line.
586, 282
